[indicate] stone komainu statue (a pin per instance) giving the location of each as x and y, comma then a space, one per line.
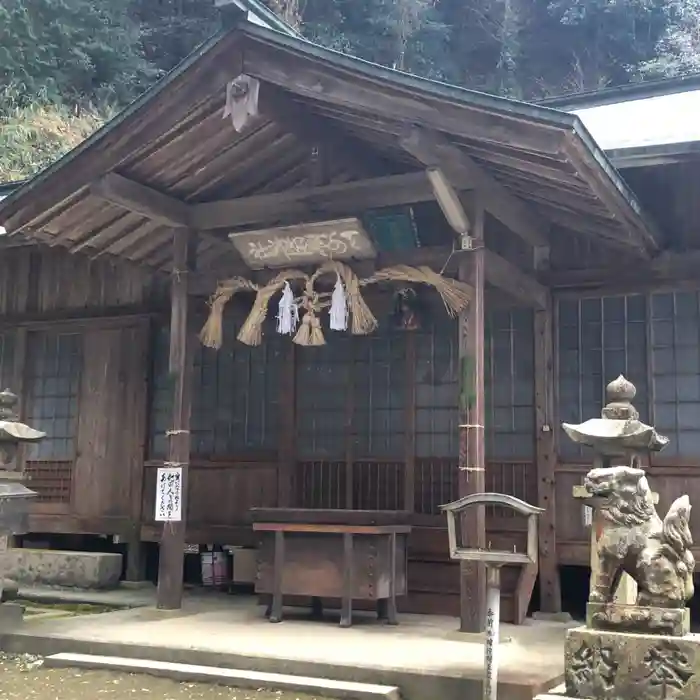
634, 540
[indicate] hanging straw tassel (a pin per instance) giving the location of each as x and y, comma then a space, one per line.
339, 307
310, 333
363, 320
211, 334
251, 330
288, 314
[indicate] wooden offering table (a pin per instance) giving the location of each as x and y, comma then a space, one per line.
346, 554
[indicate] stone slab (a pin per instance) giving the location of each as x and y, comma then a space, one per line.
423, 657
227, 676
89, 570
602, 665
636, 618
11, 617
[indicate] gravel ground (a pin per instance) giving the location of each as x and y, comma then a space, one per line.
25, 678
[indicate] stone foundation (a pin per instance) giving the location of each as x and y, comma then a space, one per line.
603, 665
613, 617
60, 568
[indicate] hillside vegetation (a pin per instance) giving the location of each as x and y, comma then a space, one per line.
33, 137
66, 65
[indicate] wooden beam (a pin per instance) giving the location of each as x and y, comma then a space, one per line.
505, 275
172, 544
432, 150
448, 200
300, 203
149, 203
141, 199
546, 428
472, 416
379, 99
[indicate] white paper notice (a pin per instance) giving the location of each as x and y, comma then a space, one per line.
169, 494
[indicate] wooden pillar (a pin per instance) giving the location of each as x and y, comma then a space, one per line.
409, 484
546, 459
472, 461
172, 544
135, 549
286, 463
349, 428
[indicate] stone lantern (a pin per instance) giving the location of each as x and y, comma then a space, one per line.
617, 434
14, 495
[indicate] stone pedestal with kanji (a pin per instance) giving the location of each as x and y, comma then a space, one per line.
631, 666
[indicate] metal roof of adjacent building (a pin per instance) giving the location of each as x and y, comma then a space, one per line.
640, 121
660, 120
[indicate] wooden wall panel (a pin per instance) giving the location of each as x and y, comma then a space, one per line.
220, 497
669, 194
111, 422
670, 482
572, 534
14, 281
39, 280
63, 281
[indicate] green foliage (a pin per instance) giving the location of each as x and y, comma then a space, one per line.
31, 138
522, 48
71, 50
678, 50
170, 29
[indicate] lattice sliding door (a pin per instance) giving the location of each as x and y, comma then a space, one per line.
52, 390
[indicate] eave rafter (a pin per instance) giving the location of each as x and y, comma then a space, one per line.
639, 230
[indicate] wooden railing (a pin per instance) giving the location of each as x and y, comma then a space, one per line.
380, 484
366, 485
51, 479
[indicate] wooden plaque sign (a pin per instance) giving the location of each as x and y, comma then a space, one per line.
305, 244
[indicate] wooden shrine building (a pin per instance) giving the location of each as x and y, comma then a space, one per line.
112, 253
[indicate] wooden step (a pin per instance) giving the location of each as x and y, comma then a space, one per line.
227, 676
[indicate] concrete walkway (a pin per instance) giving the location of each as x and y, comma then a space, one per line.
424, 656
